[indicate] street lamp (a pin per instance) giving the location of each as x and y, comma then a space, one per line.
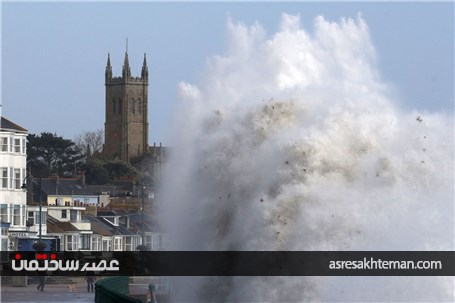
142, 209
24, 187
40, 210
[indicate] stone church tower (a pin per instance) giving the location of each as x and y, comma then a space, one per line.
126, 126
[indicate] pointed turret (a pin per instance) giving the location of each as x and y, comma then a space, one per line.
108, 73
145, 70
145, 61
126, 72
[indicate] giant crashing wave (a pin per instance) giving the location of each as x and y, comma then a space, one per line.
293, 142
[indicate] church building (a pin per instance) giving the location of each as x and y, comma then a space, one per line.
126, 124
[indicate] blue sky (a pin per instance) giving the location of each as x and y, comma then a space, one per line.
54, 54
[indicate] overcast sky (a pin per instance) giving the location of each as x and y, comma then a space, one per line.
54, 54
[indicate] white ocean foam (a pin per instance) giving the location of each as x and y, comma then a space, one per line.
293, 142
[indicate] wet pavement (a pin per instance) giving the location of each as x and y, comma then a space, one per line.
58, 293
51, 293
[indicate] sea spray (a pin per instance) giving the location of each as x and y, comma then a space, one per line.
293, 142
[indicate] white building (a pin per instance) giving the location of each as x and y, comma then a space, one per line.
13, 161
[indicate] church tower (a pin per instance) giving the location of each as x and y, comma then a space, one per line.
126, 125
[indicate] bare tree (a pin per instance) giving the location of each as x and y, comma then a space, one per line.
90, 142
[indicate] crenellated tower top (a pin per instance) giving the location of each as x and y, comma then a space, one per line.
126, 71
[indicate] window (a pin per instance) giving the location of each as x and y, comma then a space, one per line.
43, 217
133, 106
64, 214
17, 178
120, 104
106, 245
4, 144
4, 244
128, 241
4, 231
96, 243
148, 241
72, 242
4, 176
117, 244
31, 217
62, 243
4, 213
17, 145
73, 215
114, 106
85, 241
17, 215
24, 151
155, 242
131, 243
139, 107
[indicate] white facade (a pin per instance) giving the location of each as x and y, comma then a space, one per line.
71, 214
13, 161
33, 217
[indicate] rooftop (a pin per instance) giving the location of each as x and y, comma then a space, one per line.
63, 186
6, 124
57, 227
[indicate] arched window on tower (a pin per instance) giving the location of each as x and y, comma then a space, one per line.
139, 107
114, 105
120, 103
133, 106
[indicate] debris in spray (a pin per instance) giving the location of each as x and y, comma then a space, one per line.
352, 177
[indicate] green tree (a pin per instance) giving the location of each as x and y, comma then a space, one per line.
95, 172
49, 154
102, 171
121, 171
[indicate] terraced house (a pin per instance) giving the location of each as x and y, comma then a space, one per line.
13, 159
78, 223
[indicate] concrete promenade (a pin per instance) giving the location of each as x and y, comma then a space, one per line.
51, 293
58, 293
